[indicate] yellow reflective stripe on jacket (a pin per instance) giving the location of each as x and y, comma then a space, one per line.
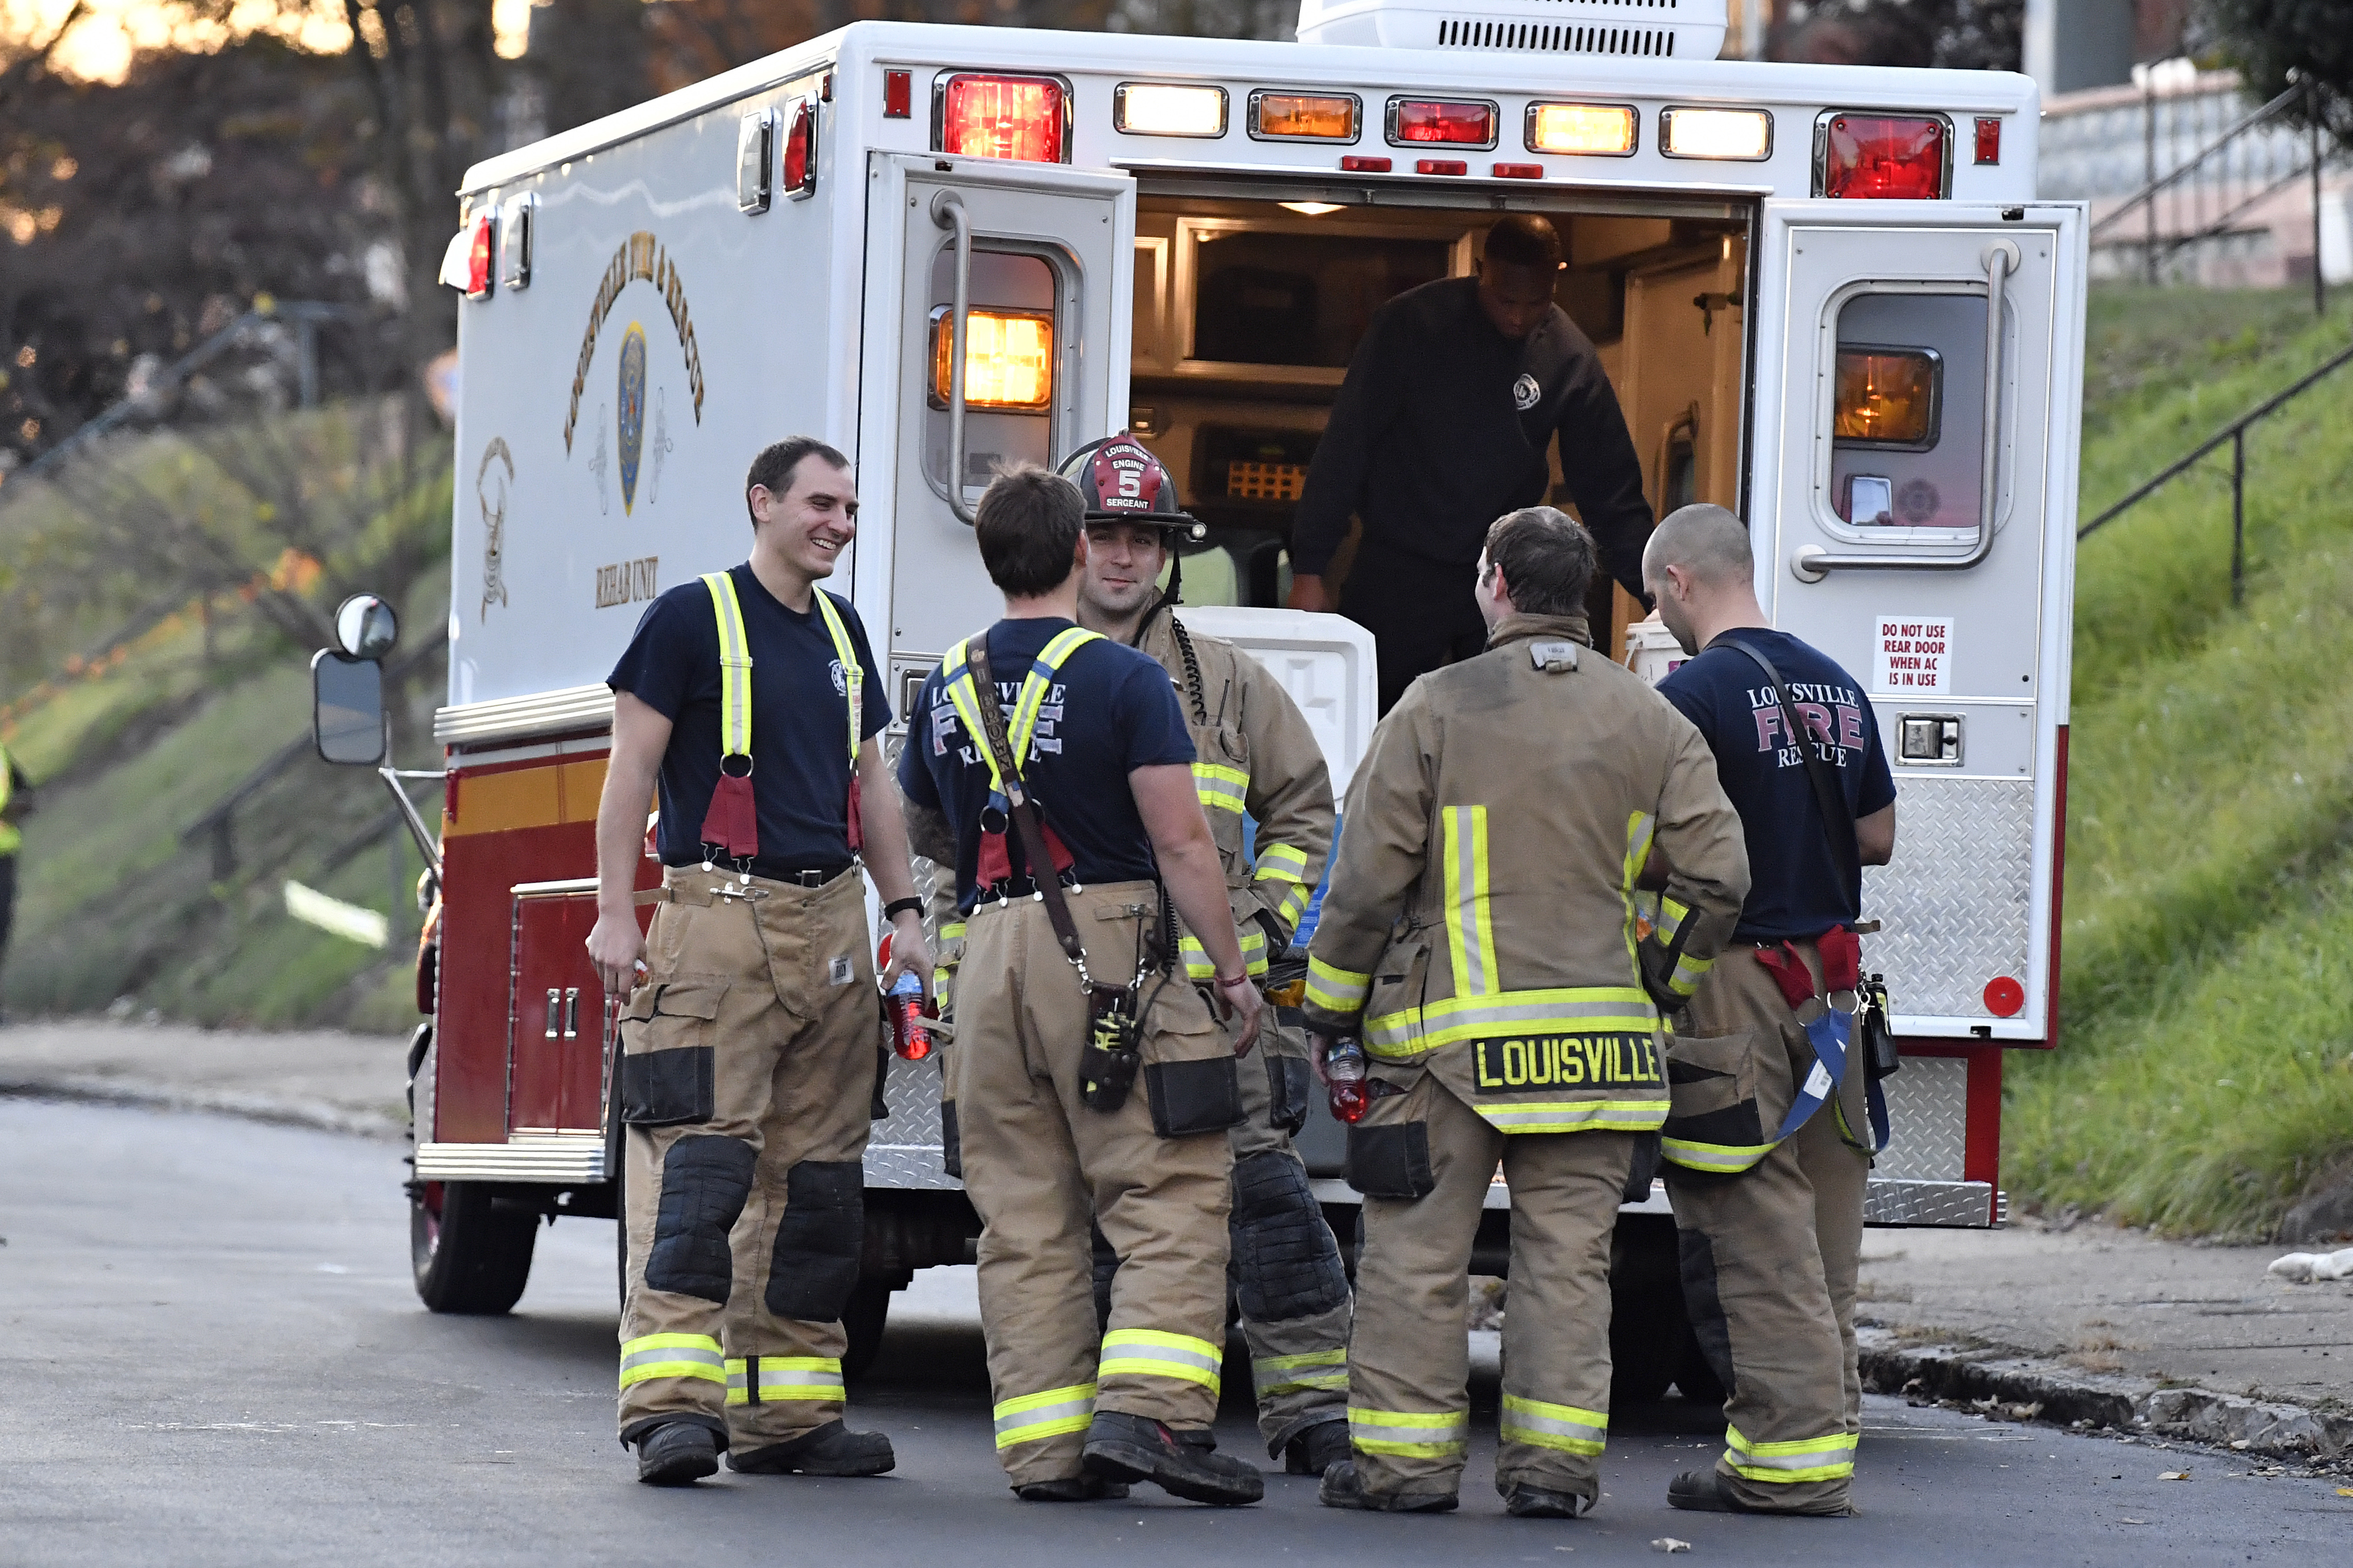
853, 674
955, 677
12, 838
1280, 861
1469, 925
1826, 1458
1294, 904
1570, 1010
1198, 965
1334, 989
1724, 1159
1412, 1434
672, 1355
1562, 1426
1048, 1414
1639, 828
735, 668
1573, 1115
1299, 1374
758, 1380
1689, 972
1220, 788
1672, 916
944, 970
1149, 1353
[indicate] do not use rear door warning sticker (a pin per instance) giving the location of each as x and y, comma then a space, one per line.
1912, 654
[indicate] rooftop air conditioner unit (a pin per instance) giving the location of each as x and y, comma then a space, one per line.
1659, 30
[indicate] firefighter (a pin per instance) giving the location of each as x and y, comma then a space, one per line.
1768, 1187
1092, 1081
1449, 405
15, 804
1479, 937
750, 1036
1253, 754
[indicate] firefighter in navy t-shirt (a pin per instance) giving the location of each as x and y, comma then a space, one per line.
750, 1040
1771, 1216
1091, 1084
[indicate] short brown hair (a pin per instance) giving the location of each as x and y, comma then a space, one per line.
773, 469
1546, 559
1027, 525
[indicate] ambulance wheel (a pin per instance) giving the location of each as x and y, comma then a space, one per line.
863, 1318
468, 1256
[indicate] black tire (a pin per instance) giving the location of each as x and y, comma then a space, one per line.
468, 1256
863, 1318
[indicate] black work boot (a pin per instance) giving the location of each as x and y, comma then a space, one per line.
1072, 1488
1522, 1500
1344, 1488
1124, 1448
1702, 1491
832, 1450
676, 1453
1315, 1449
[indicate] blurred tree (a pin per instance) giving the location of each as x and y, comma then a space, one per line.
2269, 39
136, 220
1960, 35
434, 82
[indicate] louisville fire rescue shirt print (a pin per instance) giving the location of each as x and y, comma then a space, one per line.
1832, 716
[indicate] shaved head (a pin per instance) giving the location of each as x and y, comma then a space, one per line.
1706, 542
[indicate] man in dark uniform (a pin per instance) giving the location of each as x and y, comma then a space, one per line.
750, 1040
1766, 1149
1442, 427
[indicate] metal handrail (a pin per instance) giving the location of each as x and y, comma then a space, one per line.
2249, 122
2236, 434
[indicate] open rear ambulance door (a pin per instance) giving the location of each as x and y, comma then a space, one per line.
1047, 253
1914, 515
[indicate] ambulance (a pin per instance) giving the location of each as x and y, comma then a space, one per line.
1827, 297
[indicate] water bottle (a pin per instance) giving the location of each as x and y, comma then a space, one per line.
908, 1007
1343, 1066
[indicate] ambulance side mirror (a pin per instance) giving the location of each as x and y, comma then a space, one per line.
347, 708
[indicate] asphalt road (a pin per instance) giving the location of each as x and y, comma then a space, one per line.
211, 1354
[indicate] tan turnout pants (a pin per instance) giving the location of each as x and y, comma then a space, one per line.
1770, 1254
746, 1080
1039, 1166
1408, 1360
1293, 1289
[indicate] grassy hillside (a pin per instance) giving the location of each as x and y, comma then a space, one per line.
135, 740
2205, 1079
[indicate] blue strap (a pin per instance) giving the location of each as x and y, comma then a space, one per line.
1829, 1035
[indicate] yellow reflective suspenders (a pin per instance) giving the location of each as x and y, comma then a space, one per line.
733, 823
955, 679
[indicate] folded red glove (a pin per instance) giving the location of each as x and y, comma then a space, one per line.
1789, 972
1841, 959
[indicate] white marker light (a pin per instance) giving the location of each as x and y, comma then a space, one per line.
1738, 133
1161, 109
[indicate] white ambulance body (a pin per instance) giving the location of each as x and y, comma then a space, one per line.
1787, 269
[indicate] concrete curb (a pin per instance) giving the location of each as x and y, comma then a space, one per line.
319, 1114
2031, 1389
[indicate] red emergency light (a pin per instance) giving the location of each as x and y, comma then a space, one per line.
1024, 118
1441, 166
482, 253
1885, 157
1418, 120
800, 151
1519, 170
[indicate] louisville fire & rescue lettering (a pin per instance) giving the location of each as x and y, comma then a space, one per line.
1555, 1059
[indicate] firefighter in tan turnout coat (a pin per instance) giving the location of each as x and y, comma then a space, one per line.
1480, 934
1254, 754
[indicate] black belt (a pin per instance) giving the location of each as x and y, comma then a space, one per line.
1024, 887
811, 877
